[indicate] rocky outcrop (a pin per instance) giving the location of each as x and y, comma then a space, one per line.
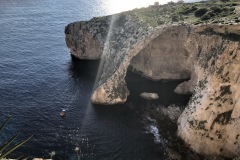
206, 56
149, 96
86, 38
130, 42
125, 37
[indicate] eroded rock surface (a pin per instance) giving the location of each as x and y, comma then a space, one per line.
210, 123
86, 38
207, 56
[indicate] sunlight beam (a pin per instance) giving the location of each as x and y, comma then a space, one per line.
100, 67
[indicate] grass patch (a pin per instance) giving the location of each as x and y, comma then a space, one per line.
193, 13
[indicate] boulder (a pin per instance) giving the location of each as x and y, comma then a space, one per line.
149, 96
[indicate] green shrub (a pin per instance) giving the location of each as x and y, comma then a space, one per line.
225, 0
216, 9
207, 15
225, 9
189, 10
231, 8
175, 18
159, 22
228, 8
200, 12
234, 4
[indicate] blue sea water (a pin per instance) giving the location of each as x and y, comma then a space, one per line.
38, 79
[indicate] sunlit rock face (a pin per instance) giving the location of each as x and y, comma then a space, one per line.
207, 55
165, 57
86, 38
210, 123
124, 37
156, 53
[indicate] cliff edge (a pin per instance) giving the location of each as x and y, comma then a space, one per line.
206, 54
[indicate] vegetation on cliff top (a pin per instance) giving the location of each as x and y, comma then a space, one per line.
193, 13
213, 11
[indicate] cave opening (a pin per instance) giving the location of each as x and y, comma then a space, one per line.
78, 67
160, 67
138, 84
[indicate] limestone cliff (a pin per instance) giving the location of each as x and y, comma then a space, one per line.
206, 55
86, 38
124, 37
210, 123
125, 41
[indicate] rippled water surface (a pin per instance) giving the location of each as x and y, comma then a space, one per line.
38, 79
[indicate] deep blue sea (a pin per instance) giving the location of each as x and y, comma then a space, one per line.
38, 79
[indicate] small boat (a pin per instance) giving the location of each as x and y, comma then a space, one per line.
63, 113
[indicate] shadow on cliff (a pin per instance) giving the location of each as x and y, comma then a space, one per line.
165, 89
78, 67
135, 83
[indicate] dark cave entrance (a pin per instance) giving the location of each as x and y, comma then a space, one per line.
165, 89
78, 67
136, 85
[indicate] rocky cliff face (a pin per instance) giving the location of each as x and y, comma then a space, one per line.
86, 38
207, 55
129, 41
210, 123
124, 37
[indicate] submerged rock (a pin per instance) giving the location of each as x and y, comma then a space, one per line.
172, 111
174, 154
149, 96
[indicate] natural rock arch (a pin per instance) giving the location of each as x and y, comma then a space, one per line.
161, 55
208, 54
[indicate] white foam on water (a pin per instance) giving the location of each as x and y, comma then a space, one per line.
152, 128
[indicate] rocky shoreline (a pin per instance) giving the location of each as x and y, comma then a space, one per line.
166, 121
